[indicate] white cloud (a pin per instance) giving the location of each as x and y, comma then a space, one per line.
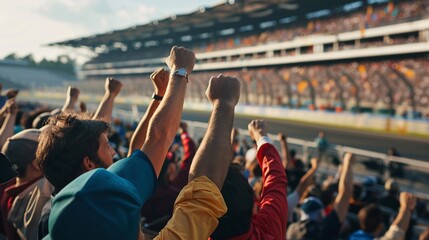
27, 25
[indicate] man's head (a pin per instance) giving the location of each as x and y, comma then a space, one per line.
238, 196
370, 218
21, 150
311, 209
70, 145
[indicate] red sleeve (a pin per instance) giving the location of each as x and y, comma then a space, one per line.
271, 220
189, 150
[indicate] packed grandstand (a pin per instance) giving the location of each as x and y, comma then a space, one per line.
364, 56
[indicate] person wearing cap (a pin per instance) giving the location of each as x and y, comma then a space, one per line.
371, 221
312, 224
271, 219
105, 203
22, 202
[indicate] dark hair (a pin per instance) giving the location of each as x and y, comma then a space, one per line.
238, 196
370, 218
67, 140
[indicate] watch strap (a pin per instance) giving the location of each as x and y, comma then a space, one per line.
156, 97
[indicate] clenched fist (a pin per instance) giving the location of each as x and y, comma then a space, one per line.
224, 89
72, 93
257, 129
181, 57
160, 81
11, 106
11, 93
112, 86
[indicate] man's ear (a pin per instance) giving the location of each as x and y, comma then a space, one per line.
35, 165
87, 164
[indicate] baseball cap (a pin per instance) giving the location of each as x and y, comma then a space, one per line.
21, 148
7, 173
311, 204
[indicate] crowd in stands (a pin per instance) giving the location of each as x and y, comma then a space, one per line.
399, 87
73, 174
373, 16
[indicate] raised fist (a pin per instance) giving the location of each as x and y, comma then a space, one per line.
224, 89
11, 93
160, 81
257, 129
181, 57
73, 93
112, 86
407, 201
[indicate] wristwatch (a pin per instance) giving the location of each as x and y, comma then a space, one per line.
181, 72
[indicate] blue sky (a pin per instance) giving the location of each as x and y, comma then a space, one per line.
28, 25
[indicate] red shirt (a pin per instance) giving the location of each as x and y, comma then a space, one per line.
6, 202
2, 189
271, 220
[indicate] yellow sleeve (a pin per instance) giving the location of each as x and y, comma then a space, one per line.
196, 211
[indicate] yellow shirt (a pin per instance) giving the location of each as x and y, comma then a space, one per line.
196, 211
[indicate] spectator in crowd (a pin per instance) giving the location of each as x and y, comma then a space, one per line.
370, 219
23, 199
271, 219
322, 144
22, 202
312, 225
86, 136
305, 181
127, 183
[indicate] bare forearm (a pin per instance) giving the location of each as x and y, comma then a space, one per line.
139, 136
215, 152
305, 181
105, 109
165, 122
345, 189
6, 130
403, 219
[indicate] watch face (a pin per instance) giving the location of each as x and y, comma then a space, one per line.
181, 72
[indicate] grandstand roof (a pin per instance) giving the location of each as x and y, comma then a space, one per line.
229, 14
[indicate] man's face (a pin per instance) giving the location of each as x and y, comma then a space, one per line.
105, 152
